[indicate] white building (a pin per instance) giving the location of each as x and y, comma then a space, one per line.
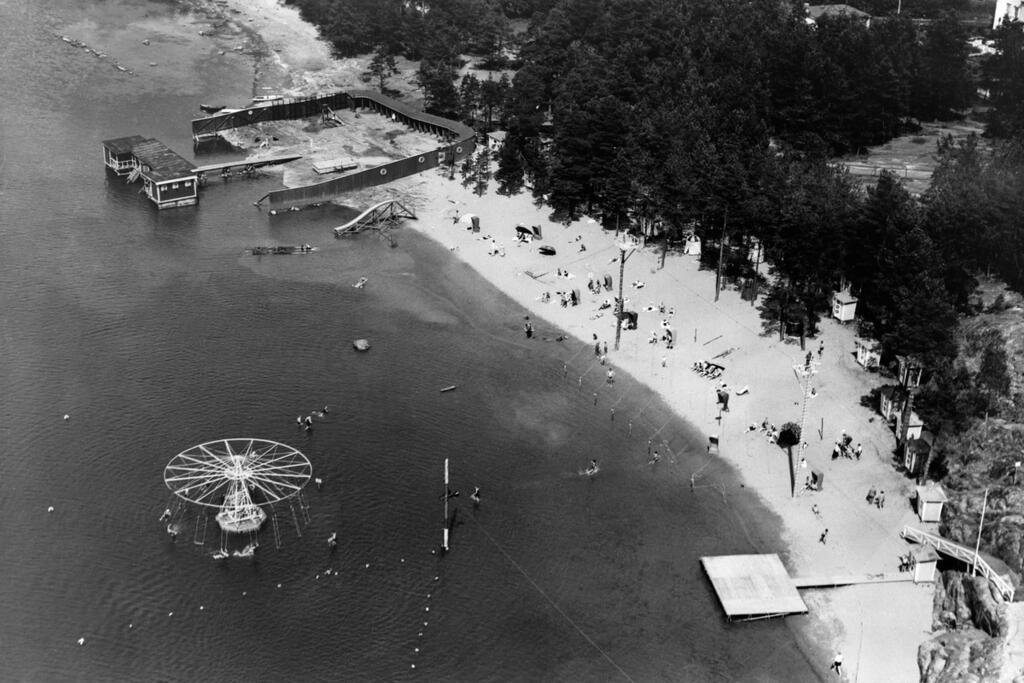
1008, 10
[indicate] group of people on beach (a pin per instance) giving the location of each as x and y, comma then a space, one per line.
844, 447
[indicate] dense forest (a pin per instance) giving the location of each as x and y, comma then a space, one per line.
724, 117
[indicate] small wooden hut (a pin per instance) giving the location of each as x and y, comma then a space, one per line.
915, 452
925, 562
869, 353
930, 499
844, 306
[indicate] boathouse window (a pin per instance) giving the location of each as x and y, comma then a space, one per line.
174, 186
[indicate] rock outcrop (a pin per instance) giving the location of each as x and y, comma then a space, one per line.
971, 618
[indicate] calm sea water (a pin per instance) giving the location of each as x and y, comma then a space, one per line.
154, 332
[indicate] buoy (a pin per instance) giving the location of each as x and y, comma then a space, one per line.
49, 509
416, 650
170, 614
200, 607
437, 578
131, 625
367, 565
426, 609
81, 641
66, 417
278, 585
424, 623
245, 592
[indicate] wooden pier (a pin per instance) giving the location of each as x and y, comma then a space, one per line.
246, 166
833, 581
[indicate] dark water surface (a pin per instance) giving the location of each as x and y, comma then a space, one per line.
155, 333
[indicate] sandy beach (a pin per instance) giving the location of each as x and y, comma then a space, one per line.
876, 627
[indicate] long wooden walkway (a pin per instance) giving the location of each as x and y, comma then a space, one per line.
385, 214
244, 163
850, 580
963, 554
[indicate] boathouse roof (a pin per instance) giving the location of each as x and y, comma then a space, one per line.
124, 145
164, 164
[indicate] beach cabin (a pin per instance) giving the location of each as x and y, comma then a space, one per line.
1008, 10
910, 370
168, 179
496, 140
117, 154
915, 452
930, 499
869, 353
891, 400
844, 306
926, 561
915, 426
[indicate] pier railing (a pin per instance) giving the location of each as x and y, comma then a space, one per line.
963, 554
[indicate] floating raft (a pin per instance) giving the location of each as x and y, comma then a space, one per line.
753, 586
285, 249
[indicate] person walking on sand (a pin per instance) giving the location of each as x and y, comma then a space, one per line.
824, 537
821, 348
880, 500
837, 664
857, 451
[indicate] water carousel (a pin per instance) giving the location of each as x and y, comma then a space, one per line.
241, 479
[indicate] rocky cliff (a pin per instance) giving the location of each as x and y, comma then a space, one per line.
972, 624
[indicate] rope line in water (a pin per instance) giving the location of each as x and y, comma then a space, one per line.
550, 601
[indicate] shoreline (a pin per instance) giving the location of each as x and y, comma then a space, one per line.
861, 539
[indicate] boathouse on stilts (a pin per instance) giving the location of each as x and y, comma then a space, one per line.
168, 179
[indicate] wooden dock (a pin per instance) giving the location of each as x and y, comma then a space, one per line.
245, 164
833, 581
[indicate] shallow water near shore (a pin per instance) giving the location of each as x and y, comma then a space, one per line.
154, 332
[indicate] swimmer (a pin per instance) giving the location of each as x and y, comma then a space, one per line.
166, 514
325, 411
319, 482
654, 458
332, 540
298, 420
475, 496
172, 530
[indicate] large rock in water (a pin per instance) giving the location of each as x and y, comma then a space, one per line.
361, 345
